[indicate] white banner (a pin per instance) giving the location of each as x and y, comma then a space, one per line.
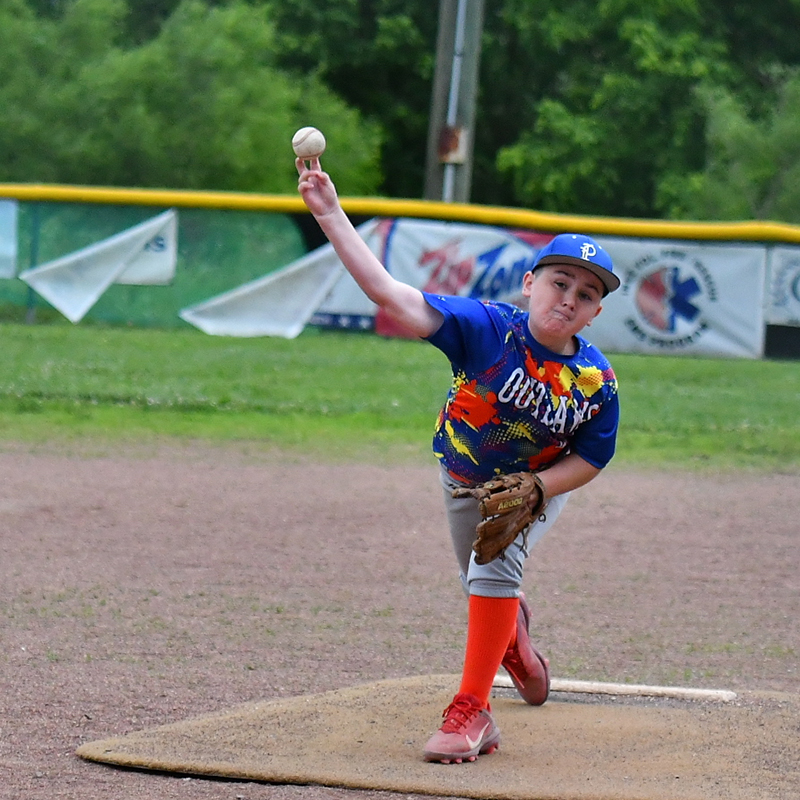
676, 297
143, 254
454, 258
154, 264
683, 298
783, 286
8, 238
279, 304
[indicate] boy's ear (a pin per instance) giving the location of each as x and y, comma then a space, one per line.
527, 280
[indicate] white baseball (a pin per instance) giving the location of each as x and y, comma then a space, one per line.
308, 143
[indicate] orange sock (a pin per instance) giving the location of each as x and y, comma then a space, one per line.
492, 623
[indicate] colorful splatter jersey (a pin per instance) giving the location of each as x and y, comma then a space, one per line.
515, 405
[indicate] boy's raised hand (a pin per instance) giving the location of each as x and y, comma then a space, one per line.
316, 187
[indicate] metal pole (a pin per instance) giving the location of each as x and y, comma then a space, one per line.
449, 178
452, 120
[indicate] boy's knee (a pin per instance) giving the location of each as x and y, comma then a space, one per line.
487, 587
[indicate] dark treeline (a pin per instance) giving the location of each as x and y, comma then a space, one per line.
686, 109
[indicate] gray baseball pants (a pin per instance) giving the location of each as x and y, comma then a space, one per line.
503, 576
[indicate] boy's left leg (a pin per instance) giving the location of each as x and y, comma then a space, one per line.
497, 634
468, 729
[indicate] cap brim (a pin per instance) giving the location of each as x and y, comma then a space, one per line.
609, 279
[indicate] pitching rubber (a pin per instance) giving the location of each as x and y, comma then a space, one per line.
502, 681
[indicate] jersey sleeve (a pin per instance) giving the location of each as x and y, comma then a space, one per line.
595, 439
470, 335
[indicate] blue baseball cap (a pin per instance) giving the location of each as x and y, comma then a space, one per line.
580, 251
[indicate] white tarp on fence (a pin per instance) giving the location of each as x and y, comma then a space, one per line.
142, 255
279, 304
8, 238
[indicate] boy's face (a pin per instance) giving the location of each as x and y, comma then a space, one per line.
563, 299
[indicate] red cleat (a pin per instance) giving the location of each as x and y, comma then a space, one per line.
467, 732
528, 669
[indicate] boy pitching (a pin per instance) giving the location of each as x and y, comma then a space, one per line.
528, 394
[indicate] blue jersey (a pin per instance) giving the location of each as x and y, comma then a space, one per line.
515, 405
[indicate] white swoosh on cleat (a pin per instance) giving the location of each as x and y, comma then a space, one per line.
472, 743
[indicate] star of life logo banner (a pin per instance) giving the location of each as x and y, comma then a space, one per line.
8, 238
684, 298
783, 286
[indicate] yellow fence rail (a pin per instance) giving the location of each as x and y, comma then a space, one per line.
744, 231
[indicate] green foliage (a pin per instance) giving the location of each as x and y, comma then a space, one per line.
615, 113
378, 55
201, 105
753, 164
347, 395
24, 50
703, 411
583, 107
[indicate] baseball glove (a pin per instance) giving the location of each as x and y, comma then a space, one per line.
508, 505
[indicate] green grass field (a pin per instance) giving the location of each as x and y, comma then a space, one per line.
347, 395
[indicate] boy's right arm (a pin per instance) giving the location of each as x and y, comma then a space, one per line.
403, 303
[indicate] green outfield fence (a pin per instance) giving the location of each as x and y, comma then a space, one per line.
226, 239
218, 249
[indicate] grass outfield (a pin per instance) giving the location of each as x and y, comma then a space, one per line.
347, 395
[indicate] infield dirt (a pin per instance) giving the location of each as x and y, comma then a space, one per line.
142, 588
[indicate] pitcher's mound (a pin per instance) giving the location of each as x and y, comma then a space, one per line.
372, 736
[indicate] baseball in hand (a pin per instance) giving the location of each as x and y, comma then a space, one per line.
308, 143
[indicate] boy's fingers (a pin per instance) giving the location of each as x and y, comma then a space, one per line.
313, 165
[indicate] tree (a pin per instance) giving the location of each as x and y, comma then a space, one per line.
584, 106
142, 21
201, 105
379, 56
752, 170
612, 112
